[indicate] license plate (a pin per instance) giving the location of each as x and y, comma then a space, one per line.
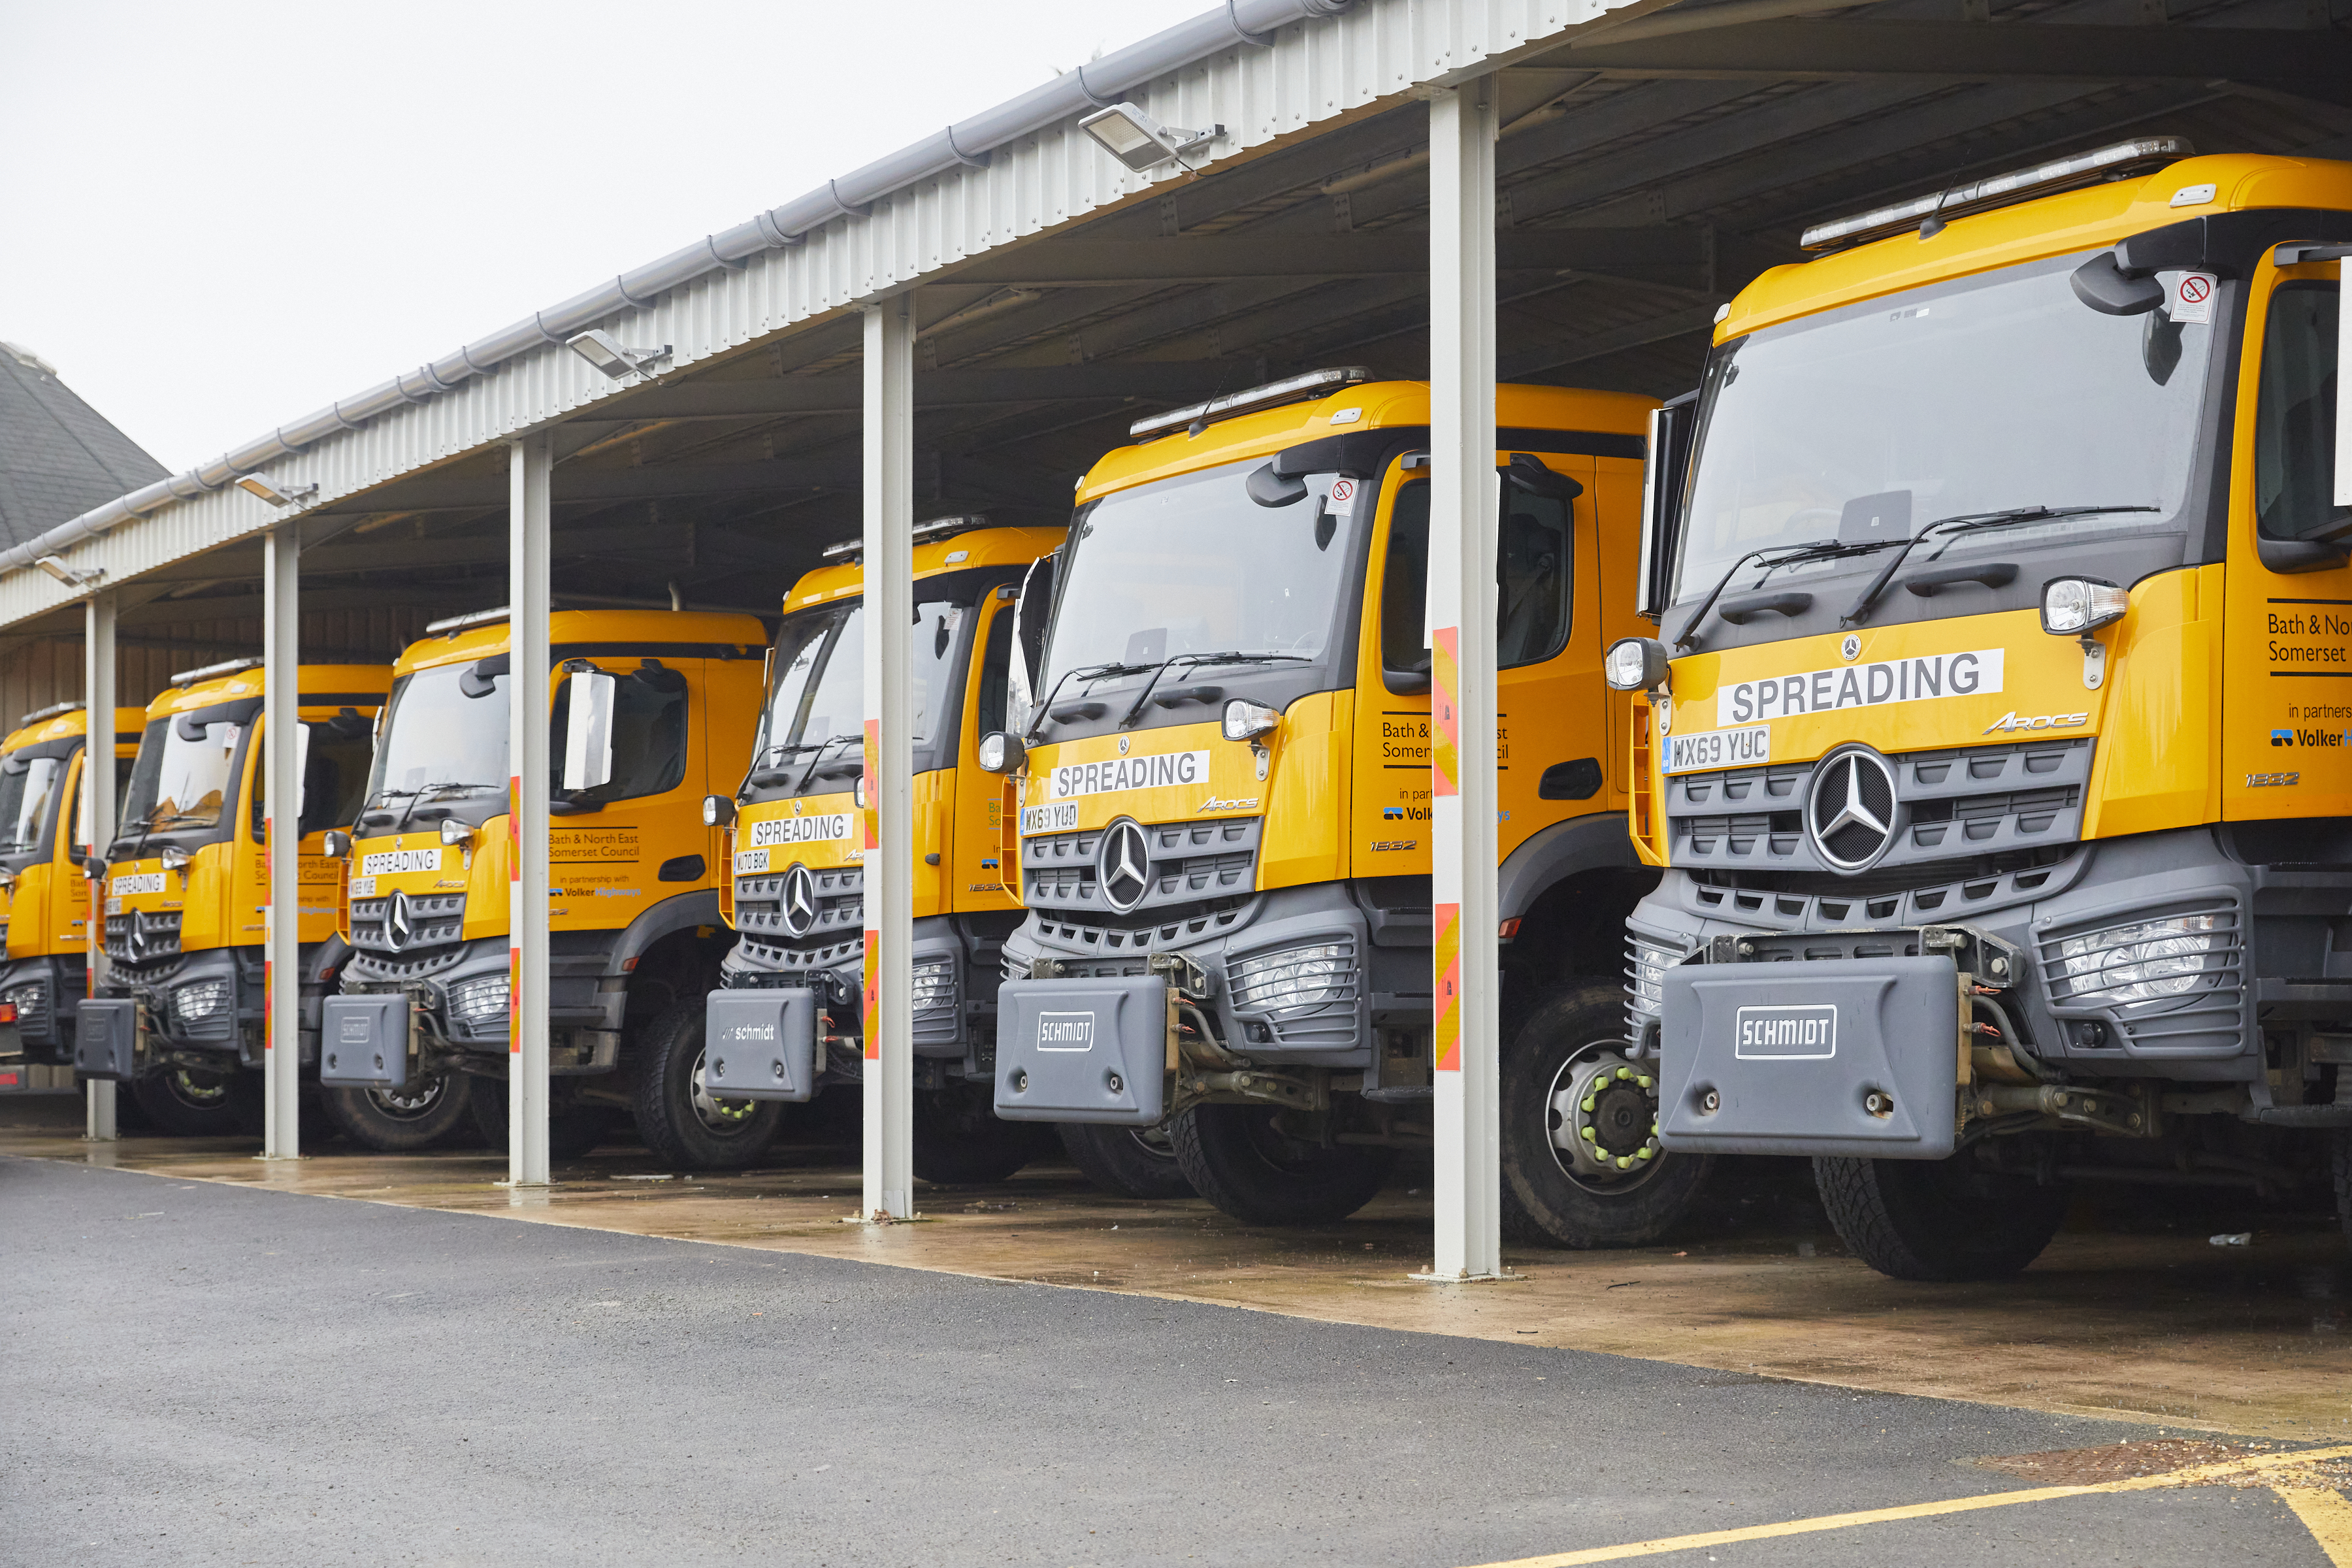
1061, 819
750, 862
1719, 749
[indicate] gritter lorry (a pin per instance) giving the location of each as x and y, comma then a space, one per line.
1223, 768
1995, 740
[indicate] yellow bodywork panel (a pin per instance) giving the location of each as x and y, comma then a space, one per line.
48, 905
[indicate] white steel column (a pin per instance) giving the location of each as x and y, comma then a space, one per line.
889, 488
98, 817
281, 789
527, 749
1464, 496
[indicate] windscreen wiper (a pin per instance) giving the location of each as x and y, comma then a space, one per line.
1818, 549
1197, 661
416, 796
1967, 522
821, 747
1089, 672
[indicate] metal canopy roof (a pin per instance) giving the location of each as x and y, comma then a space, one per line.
1653, 159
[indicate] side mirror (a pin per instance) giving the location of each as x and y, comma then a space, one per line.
588, 734
1269, 487
2104, 286
718, 811
1528, 472
481, 677
453, 831
1001, 753
1666, 462
1030, 612
94, 867
337, 843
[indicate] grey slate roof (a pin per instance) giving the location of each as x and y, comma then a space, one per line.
59, 456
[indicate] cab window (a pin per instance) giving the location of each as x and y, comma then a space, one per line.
649, 736
995, 674
2295, 422
1533, 577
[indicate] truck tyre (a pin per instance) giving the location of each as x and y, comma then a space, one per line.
189, 1102
573, 1131
403, 1120
1582, 1165
681, 1123
1937, 1220
959, 1140
1236, 1158
1126, 1161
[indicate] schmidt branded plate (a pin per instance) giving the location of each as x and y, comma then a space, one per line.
364, 1042
761, 1044
1082, 1050
1719, 749
1974, 673
106, 1038
1818, 1056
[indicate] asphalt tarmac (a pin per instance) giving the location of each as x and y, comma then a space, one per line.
204, 1374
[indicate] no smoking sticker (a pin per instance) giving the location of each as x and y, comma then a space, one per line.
1343, 498
2192, 298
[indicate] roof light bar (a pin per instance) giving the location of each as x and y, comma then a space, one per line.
51, 711
225, 667
1996, 190
459, 623
937, 528
1290, 389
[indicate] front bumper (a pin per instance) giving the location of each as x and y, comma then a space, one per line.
2153, 958
212, 1004
460, 997
46, 992
833, 974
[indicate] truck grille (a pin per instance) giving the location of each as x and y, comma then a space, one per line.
430, 920
143, 937
1189, 863
801, 918
1966, 801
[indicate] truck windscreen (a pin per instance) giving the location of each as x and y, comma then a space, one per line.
1971, 396
817, 702
439, 740
25, 794
179, 782
1193, 566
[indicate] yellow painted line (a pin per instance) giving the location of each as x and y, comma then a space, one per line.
2217, 1471
2327, 1516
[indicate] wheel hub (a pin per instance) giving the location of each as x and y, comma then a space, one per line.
1604, 1117
717, 1114
411, 1102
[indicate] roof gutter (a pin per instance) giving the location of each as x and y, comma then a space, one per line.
967, 144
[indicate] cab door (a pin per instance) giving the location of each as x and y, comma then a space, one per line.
973, 852
618, 848
1388, 810
2286, 714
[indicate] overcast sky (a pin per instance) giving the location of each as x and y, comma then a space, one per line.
216, 219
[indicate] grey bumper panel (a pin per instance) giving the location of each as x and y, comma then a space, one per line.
761, 1045
1812, 1057
1082, 1050
366, 1043
106, 1040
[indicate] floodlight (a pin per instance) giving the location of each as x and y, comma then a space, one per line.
604, 352
276, 494
55, 565
1140, 142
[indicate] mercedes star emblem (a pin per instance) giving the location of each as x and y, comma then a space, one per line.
398, 928
1849, 811
1123, 865
800, 902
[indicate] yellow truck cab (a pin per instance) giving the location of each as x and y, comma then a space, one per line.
43, 891
786, 1022
1993, 739
187, 888
668, 701
1224, 782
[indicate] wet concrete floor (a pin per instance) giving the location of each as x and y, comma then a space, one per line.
2131, 1314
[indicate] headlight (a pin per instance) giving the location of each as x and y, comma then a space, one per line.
934, 983
718, 811
1635, 664
2142, 963
454, 831
25, 1002
1001, 752
1247, 720
480, 1002
2070, 606
1294, 977
201, 999
1646, 976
